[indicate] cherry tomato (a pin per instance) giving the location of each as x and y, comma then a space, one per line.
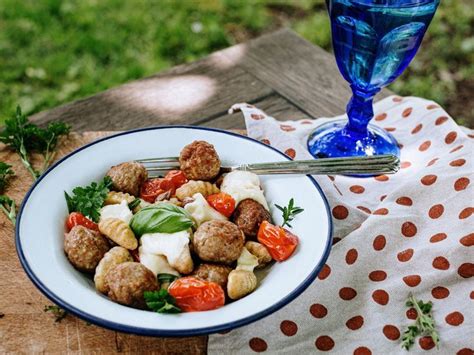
177, 177
151, 189
168, 185
280, 242
222, 202
78, 219
194, 295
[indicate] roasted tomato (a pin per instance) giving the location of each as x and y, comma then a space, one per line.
177, 177
280, 242
194, 295
222, 203
78, 219
151, 189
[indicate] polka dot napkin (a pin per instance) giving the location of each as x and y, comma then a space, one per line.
409, 232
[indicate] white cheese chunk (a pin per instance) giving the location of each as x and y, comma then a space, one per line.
120, 211
201, 211
158, 264
170, 245
242, 185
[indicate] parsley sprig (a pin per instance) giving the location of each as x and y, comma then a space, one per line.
289, 212
58, 313
7, 205
26, 137
89, 200
161, 301
424, 324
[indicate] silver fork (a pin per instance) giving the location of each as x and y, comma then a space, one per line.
371, 165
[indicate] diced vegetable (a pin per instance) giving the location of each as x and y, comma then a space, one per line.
280, 242
194, 295
223, 203
162, 218
177, 177
78, 219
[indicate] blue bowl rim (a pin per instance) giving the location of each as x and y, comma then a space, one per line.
160, 332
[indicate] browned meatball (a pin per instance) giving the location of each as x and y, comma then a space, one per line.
128, 177
85, 248
128, 281
248, 216
214, 273
218, 241
199, 161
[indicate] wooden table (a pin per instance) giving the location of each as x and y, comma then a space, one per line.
281, 73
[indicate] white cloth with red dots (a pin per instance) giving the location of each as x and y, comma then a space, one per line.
393, 235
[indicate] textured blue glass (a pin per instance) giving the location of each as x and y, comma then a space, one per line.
373, 41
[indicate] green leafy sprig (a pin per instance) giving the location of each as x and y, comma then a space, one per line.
289, 212
161, 301
58, 312
424, 324
7, 205
25, 137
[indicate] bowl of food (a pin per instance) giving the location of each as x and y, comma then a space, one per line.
191, 251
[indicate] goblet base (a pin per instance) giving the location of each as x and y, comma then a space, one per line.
335, 139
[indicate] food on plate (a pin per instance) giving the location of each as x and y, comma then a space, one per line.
199, 161
85, 248
176, 243
248, 216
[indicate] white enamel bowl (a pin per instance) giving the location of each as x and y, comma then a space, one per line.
40, 229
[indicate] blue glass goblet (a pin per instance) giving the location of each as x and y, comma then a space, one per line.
373, 41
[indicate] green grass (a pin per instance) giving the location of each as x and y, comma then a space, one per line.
52, 51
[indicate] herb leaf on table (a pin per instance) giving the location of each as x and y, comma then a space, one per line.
289, 212
161, 301
7, 205
58, 312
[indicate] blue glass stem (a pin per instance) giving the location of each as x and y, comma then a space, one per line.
360, 110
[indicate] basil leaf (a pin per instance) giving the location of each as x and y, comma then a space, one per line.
162, 218
166, 278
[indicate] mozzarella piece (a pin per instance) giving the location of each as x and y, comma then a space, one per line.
120, 211
170, 245
242, 185
201, 211
158, 264
246, 261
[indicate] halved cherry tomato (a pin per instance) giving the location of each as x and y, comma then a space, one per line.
194, 295
168, 185
222, 203
177, 177
151, 189
78, 219
280, 242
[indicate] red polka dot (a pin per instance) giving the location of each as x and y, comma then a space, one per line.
466, 213
288, 327
324, 343
440, 120
405, 255
426, 343
391, 332
364, 209
432, 161
454, 318
412, 280
417, 128
461, 183
379, 242
291, 153
258, 345
467, 240
471, 295
381, 178
441, 263
390, 129
383, 197
450, 137
357, 189
362, 350
306, 122
428, 180
266, 141
381, 117
438, 237
257, 117
404, 201
440, 292
409, 229
381, 211
351, 256
436, 211
347, 293
405, 164
355, 322
381, 297
340, 212
332, 178
457, 148
318, 310
424, 146
411, 313
465, 351
466, 270
377, 275
325, 272
397, 99
458, 162
287, 128
407, 112
431, 106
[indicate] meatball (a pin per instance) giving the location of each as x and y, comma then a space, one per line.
128, 177
128, 281
248, 216
199, 161
218, 241
213, 273
85, 248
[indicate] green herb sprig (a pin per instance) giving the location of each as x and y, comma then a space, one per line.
25, 137
166, 278
424, 324
58, 312
89, 200
7, 205
289, 212
135, 203
161, 301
